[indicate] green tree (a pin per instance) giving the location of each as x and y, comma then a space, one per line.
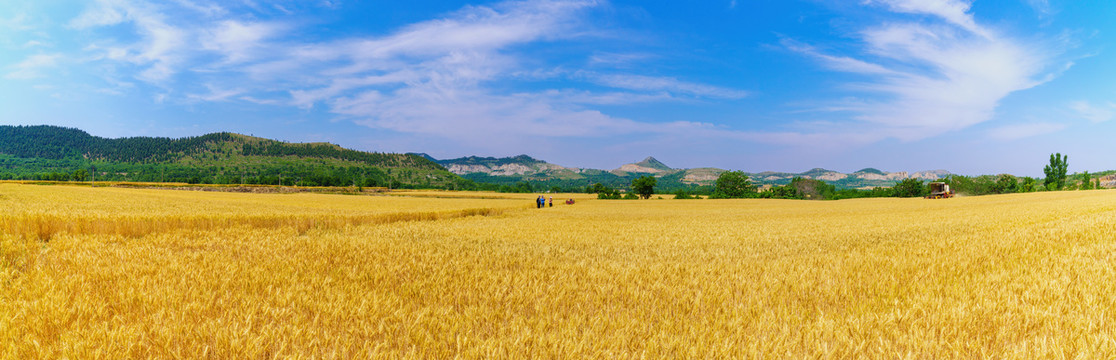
597, 189
733, 185
787, 191
812, 188
644, 186
682, 194
606, 193
1027, 185
909, 188
1056, 171
80, 175
1086, 181
1006, 184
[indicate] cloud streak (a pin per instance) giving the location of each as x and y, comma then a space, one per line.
923, 79
477, 76
444, 77
1022, 131
1094, 113
666, 84
33, 66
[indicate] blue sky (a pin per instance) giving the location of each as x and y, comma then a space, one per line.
974, 87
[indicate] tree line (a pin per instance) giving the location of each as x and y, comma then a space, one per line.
737, 185
290, 173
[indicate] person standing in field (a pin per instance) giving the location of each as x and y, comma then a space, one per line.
539, 202
551, 201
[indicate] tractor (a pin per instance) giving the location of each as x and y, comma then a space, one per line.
940, 190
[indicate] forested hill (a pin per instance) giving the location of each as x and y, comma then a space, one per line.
45, 152
52, 142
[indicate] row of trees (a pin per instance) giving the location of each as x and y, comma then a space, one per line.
289, 174
737, 185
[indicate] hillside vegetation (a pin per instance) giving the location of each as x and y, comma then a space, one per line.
57, 153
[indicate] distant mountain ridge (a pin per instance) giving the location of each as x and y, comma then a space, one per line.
517, 165
526, 168
650, 165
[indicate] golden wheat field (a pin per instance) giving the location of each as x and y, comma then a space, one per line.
126, 273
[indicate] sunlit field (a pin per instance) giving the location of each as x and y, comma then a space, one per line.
127, 273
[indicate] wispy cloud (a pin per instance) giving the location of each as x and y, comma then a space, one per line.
618, 59
18, 22
666, 84
33, 66
839, 63
216, 94
1042, 7
468, 72
922, 79
1094, 113
434, 78
1022, 131
163, 47
239, 41
955, 12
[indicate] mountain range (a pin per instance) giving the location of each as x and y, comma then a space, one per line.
58, 153
51, 152
525, 168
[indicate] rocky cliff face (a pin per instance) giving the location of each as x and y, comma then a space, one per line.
633, 168
894, 176
831, 176
1108, 181
503, 169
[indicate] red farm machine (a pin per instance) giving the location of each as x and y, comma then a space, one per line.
940, 190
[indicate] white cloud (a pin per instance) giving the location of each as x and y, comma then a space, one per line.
443, 77
163, 47
605, 98
207, 9
104, 13
18, 22
1042, 7
33, 66
839, 63
925, 79
239, 41
955, 12
618, 59
1021, 131
1093, 113
432, 78
216, 94
282, 9
667, 84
